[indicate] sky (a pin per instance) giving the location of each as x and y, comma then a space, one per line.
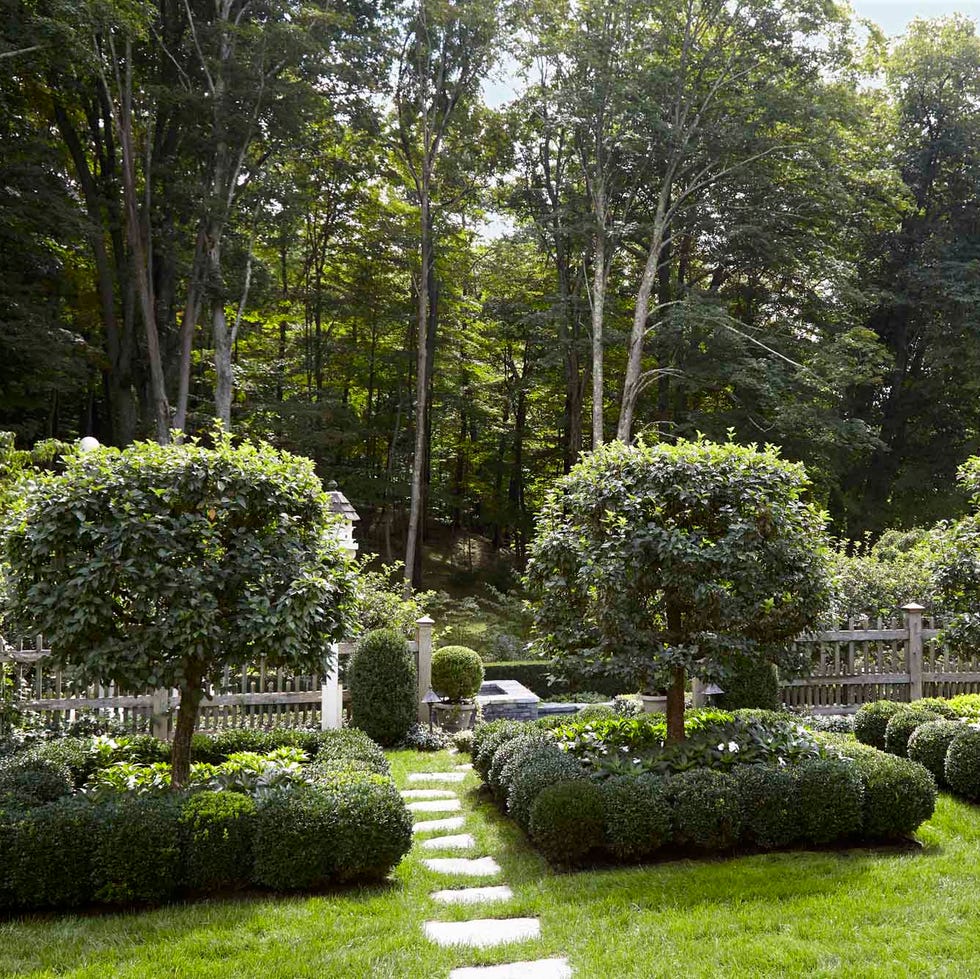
893, 15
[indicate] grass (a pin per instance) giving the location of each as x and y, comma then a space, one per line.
893, 913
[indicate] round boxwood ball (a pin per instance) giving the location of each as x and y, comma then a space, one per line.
768, 795
457, 672
963, 765
383, 686
930, 742
488, 738
900, 726
510, 757
548, 765
637, 814
871, 720
828, 798
567, 821
708, 811
29, 779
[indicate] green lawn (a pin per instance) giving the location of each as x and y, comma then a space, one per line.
889, 914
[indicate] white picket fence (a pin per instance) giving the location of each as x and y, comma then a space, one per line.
247, 696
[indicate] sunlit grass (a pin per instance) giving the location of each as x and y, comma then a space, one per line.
889, 913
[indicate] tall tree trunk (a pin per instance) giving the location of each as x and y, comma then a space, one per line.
191, 696
188, 327
598, 314
675, 706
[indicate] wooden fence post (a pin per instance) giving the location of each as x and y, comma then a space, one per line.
424, 637
913, 622
160, 719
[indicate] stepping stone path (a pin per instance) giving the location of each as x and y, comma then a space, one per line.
477, 932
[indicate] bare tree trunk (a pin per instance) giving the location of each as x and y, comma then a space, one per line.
598, 313
188, 327
224, 378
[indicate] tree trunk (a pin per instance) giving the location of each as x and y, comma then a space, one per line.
675, 707
188, 327
180, 753
598, 313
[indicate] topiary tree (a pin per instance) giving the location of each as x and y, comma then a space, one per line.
156, 566
668, 560
457, 672
383, 682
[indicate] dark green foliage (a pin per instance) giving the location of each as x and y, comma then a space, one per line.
963, 765
29, 779
383, 685
215, 748
457, 672
939, 706
146, 749
900, 726
218, 830
511, 757
487, 738
347, 744
899, 794
596, 712
752, 683
638, 815
828, 797
708, 811
929, 744
871, 720
353, 826
463, 741
567, 822
549, 765
77, 754
768, 796
50, 852
137, 849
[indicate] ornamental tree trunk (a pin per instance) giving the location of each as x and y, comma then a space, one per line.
675, 707
180, 754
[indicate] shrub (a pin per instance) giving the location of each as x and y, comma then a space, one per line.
929, 744
487, 738
966, 705
347, 745
137, 857
510, 758
215, 748
218, 831
420, 738
830, 723
596, 712
463, 741
549, 765
901, 725
457, 672
707, 809
353, 826
29, 779
49, 855
939, 706
963, 765
145, 748
899, 794
566, 822
637, 815
753, 683
79, 755
871, 720
828, 798
769, 804
383, 685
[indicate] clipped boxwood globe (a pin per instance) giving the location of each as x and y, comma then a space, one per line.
566, 821
871, 720
963, 765
901, 725
930, 742
457, 672
383, 686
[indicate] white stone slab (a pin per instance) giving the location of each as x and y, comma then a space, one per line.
439, 825
541, 969
429, 794
479, 867
482, 932
464, 768
436, 805
462, 842
473, 895
437, 776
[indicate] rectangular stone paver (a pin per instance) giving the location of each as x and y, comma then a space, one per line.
483, 932
439, 825
436, 805
437, 776
428, 794
479, 867
464, 768
462, 842
541, 969
473, 895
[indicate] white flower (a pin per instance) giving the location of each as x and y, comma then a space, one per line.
733, 746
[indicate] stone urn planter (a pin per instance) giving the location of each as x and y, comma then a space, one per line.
654, 703
455, 717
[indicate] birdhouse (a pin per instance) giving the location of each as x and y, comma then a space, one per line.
340, 505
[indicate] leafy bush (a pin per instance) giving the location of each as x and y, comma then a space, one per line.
900, 726
899, 794
637, 814
752, 683
353, 826
383, 685
29, 779
216, 748
549, 765
768, 796
487, 738
457, 672
627, 706
218, 829
939, 706
49, 855
595, 712
966, 705
137, 853
567, 822
831, 723
420, 738
510, 758
463, 741
144, 748
871, 720
708, 811
346, 745
828, 797
963, 765
929, 744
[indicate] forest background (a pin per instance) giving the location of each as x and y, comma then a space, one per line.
320, 224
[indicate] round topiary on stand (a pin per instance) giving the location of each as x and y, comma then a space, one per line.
457, 675
383, 686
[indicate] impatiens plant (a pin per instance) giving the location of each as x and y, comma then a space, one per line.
156, 566
662, 561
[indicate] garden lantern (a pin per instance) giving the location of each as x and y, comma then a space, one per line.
711, 691
430, 698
